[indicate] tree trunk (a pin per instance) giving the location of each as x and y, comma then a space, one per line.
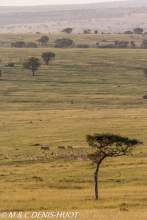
47, 62
96, 181
33, 72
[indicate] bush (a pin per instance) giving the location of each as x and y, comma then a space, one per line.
11, 64
19, 44
144, 97
82, 46
31, 45
128, 32
43, 40
144, 43
62, 43
107, 46
121, 44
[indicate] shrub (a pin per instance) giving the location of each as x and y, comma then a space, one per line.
31, 45
144, 43
10, 64
144, 97
19, 44
82, 46
107, 46
61, 43
43, 40
128, 32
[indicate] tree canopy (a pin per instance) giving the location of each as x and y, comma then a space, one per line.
144, 43
43, 40
62, 43
48, 56
128, 32
108, 145
96, 32
22, 44
32, 63
31, 45
87, 31
67, 30
138, 30
19, 44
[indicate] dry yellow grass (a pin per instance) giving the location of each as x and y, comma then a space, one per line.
38, 112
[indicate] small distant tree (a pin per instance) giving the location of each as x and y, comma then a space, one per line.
32, 63
87, 31
67, 30
0, 72
138, 30
31, 45
62, 43
108, 145
97, 44
122, 44
107, 46
19, 44
47, 57
96, 32
128, 32
116, 43
10, 64
82, 46
132, 43
144, 43
43, 40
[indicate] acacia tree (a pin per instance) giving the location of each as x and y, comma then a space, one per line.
67, 30
138, 30
32, 63
108, 145
43, 40
87, 31
96, 32
47, 57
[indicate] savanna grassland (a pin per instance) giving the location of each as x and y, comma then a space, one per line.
106, 87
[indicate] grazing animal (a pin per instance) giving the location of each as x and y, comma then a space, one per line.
61, 147
45, 148
140, 143
70, 147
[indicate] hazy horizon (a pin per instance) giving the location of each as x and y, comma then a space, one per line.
49, 2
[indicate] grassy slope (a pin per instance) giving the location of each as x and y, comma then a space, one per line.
107, 87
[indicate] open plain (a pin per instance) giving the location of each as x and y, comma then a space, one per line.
82, 91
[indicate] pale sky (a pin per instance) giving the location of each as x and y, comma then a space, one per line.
47, 2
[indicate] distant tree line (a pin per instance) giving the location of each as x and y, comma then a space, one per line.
136, 30
67, 42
